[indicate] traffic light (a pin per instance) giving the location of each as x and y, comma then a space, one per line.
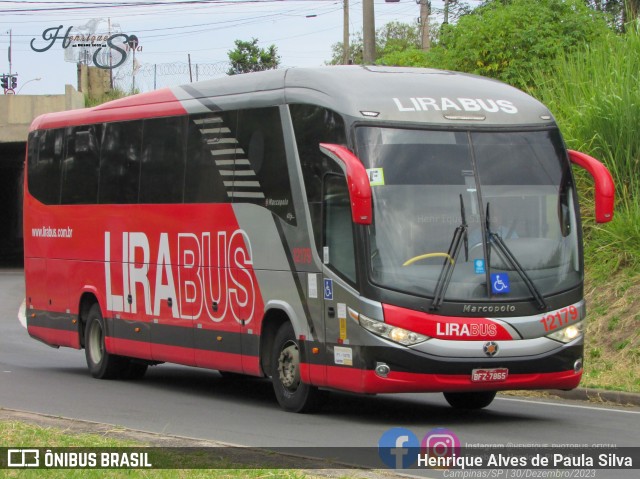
14, 83
5, 82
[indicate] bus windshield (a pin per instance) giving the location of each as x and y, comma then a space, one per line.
426, 184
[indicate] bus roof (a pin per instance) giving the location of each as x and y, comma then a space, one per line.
384, 93
394, 94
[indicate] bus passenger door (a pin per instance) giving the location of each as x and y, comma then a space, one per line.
340, 270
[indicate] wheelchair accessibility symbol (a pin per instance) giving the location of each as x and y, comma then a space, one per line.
500, 283
328, 289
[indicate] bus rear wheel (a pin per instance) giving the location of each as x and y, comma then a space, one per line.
472, 400
292, 393
102, 364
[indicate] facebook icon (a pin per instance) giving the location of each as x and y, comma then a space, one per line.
398, 448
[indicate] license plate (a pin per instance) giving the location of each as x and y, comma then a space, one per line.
489, 375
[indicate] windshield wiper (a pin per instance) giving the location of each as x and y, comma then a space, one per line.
496, 239
460, 237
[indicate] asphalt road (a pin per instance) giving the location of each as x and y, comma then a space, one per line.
201, 404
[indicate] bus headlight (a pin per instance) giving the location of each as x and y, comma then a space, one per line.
393, 333
568, 334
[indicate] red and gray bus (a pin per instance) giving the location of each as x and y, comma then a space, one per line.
364, 229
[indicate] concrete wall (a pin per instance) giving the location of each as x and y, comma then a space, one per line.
94, 82
18, 111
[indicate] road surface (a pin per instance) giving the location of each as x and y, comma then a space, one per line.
201, 404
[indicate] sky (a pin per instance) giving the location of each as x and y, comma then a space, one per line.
170, 30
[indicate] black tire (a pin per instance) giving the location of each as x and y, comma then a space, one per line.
472, 400
102, 365
292, 394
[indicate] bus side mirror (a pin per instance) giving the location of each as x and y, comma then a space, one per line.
604, 188
357, 180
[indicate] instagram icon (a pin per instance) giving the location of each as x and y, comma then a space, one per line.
440, 442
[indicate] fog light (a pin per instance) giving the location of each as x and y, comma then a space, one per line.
577, 366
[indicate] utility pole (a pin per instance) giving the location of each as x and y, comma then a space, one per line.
10, 45
425, 7
368, 32
446, 12
110, 60
345, 33
10, 81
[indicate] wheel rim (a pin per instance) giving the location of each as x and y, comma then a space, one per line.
96, 343
289, 366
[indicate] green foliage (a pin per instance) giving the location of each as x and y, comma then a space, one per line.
618, 12
595, 97
614, 246
114, 94
412, 57
508, 40
392, 38
248, 57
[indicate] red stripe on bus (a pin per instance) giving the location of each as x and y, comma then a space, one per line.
190, 357
445, 327
128, 347
150, 105
55, 337
366, 381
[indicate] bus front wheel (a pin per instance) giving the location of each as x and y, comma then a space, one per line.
291, 392
102, 365
471, 400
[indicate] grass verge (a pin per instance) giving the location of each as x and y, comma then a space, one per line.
20, 434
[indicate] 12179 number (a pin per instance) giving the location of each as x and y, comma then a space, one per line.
560, 318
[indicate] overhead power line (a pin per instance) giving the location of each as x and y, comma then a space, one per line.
65, 6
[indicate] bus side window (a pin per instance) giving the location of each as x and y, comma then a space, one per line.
211, 151
81, 165
120, 162
163, 160
338, 227
44, 162
262, 175
313, 125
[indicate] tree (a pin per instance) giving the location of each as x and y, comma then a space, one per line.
619, 12
248, 57
392, 37
508, 39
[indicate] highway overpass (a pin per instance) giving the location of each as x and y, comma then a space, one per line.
16, 114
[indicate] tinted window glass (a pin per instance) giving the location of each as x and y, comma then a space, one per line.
532, 157
314, 125
120, 162
261, 175
338, 230
81, 164
163, 160
45, 155
211, 153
